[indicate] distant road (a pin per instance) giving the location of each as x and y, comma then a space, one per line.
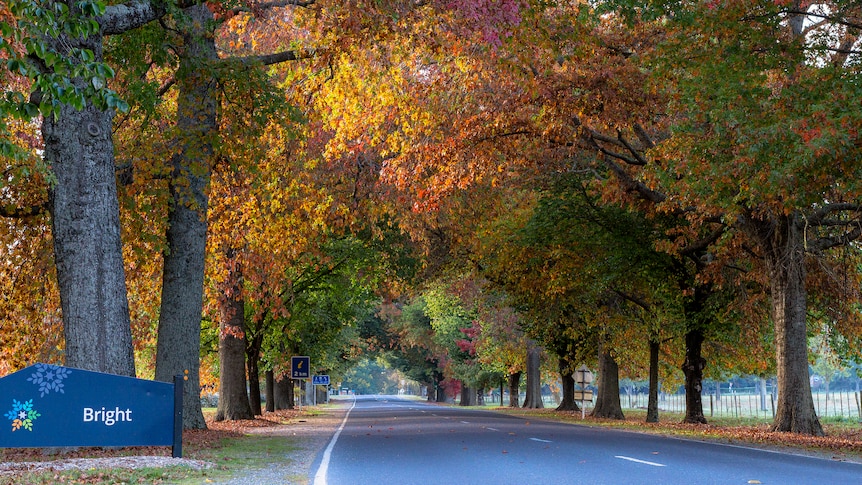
386, 440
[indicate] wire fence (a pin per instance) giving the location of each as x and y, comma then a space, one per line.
839, 404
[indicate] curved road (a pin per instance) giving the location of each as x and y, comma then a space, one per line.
386, 440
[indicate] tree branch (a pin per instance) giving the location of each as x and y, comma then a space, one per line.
824, 243
819, 216
130, 15
276, 58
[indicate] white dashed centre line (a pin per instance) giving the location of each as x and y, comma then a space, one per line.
541, 441
650, 463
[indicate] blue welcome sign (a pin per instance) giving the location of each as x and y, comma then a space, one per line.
52, 406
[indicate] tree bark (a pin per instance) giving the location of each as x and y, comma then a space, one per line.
468, 396
86, 233
533, 399
253, 369
178, 347
283, 393
233, 403
608, 400
270, 391
652, 403
252, 359
693, 367
514, 389
782, 239
568, 382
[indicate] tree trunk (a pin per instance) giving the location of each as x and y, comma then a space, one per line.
441, 392
693, 367
468, 396
86, 233
568, 382
652, 403
514, 389
782, 239
254, 403
252, 359
533, 399
270, 391
233, 395
178, 348
608, 400
283, 394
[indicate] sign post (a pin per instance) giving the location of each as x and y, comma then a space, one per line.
300, 370
322, 380
583, 376
48, 405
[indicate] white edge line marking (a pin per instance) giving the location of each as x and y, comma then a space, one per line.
541, 441
639, 461
320, 476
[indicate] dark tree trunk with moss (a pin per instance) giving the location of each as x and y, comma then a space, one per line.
608, 400
652, 403
178, 347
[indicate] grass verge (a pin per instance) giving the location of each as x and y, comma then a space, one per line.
227, 445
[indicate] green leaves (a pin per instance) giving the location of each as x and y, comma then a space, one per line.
48, 47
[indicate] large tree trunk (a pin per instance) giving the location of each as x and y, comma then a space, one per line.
608, 400
86, 233
514, 389
533, 399
693, 367
783, 244
85, 213
178, 348
468, 396
652, 403
233, 401
568, 382
284, 393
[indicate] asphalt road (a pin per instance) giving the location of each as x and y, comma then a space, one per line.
386, 440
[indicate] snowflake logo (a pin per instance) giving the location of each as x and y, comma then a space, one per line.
49, 378
22, 415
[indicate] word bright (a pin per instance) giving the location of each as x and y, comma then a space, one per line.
108, 417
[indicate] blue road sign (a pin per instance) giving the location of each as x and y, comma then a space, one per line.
320, 380
52, 406
299, 367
